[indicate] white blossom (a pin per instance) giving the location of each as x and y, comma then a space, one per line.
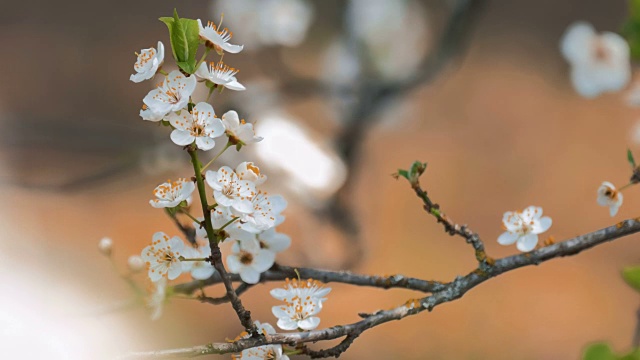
218, 38
172, 193
273, 241
162, 257
239, 131
609, 196
249, 171
266, 352
170, 96
135, 263
524, 228
105, 245
599, 62
229, 190
265, 214
220, 216
249, 260
303, 300
200, 270
148, 62
268, 22
220, 74
199, 125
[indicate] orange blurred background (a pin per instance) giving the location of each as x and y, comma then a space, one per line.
500, 127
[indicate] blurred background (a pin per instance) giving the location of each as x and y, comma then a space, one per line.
345, 93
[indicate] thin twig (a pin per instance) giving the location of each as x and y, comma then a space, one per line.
280, 273
451, 291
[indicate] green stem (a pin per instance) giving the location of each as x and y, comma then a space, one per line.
626, 186
189, 215
197, 167
228, 223
204, 56
217, 156
195, 259
163, 72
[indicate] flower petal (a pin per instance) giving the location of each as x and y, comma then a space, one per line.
527, 243
507, 238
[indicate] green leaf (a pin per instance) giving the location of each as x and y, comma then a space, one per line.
630, 158
403, 173
631, 28
633, 355
631, 275
186, 66
169, 22
192, 33
598, 351
179, 39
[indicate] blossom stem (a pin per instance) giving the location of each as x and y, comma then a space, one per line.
203, 58
217, 156
626, 186
195, 259
189, 215
163, 72
243, 315
228, 223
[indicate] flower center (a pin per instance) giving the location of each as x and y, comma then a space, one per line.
600, 51
246, 258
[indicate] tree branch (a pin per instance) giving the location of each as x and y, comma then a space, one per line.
280, 273
449, 292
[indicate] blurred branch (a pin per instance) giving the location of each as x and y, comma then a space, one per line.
448, 292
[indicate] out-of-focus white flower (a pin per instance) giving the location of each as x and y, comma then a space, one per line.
156, 301
220, 74
162, 257
395, 34
609, 196
200, 270
249, 260
239, 131
273, 241
172, 95
265, 210
268, 22
266, 352
524, 227
284, 22
200, 125
172, 193
229, 190
599, 62
105, 245
249, 171
148, 62
218, 38
303, 300
135, 263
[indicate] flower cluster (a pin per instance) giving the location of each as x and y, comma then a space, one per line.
302, 302
270, 352
238, 212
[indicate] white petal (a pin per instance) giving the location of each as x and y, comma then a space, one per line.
287, 324
234, 264
203, 272
181, 137
174, 270
542, 225
527, 243
507, 238
309, 323
279, 293
575, 43
234, 85
250, 276
205, 143
264, 260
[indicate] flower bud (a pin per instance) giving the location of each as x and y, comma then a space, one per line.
105, 246
135, 263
